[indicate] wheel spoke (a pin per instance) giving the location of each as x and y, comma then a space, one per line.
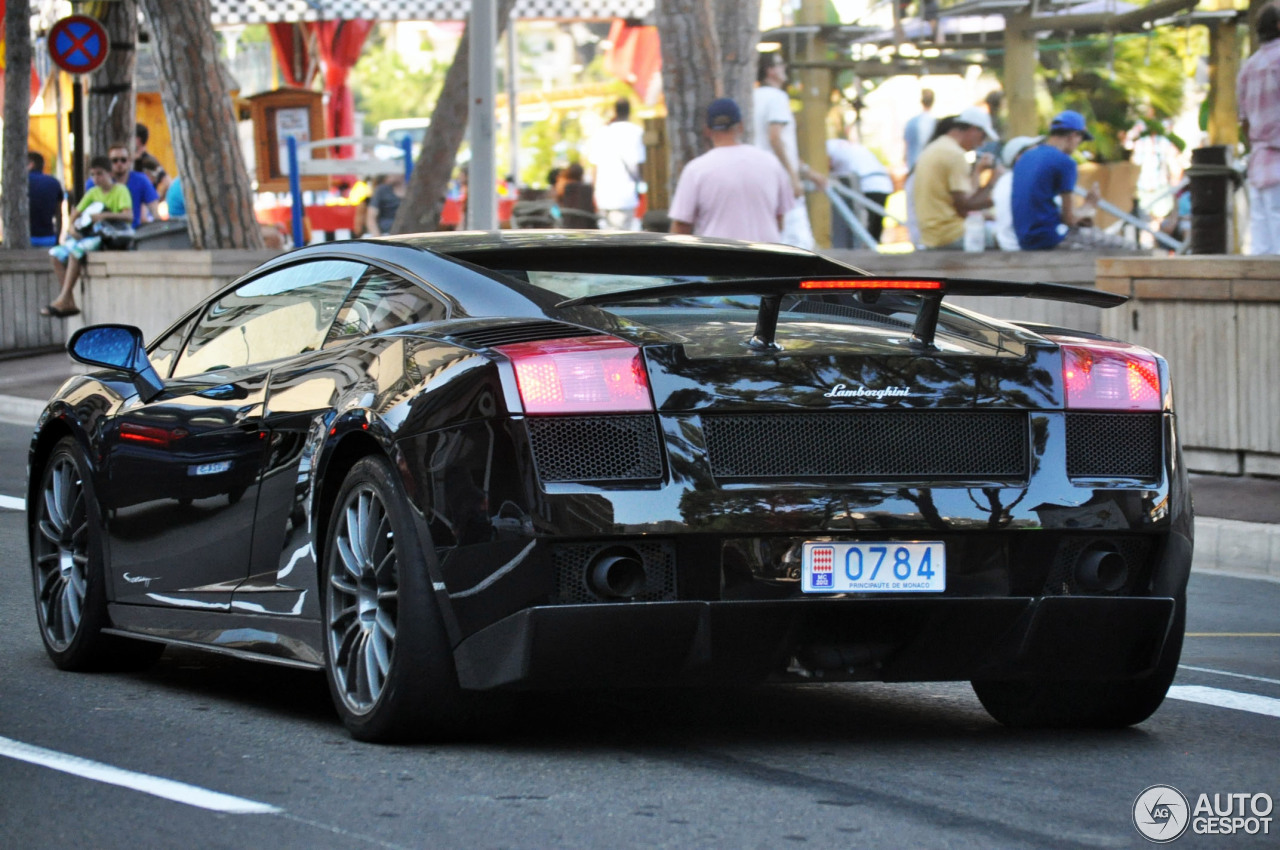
386, 624
70, 612
350, 560
343, 586
50, 532
360, 533
373, 664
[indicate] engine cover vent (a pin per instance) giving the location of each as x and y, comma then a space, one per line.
523, 332
873, 445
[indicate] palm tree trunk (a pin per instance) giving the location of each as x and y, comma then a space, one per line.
197, 105
17, 95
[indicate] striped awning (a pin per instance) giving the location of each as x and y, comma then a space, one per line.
233, 12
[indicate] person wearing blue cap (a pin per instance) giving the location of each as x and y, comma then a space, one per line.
1045, 213
734, 190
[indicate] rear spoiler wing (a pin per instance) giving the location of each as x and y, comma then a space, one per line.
932, 290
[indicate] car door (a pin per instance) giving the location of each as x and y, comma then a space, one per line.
302, 397
183, 470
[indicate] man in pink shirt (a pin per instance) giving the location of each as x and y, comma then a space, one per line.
1258, 94
734, 191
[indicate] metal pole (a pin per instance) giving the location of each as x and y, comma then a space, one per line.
513, 93
295, 191
864, 236
482, 201
406, 145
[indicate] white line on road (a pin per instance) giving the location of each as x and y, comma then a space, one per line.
169, 789
1233, 675
13, 503
1226, 699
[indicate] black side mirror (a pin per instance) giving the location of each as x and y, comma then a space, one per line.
117, 347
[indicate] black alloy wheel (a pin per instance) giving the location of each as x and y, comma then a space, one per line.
67, 570
387, 658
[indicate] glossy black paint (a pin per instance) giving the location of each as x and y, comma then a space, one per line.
216, 492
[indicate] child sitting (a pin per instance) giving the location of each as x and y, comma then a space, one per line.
106, 201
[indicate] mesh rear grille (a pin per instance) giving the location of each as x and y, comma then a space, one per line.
595, 448
572, 559
1113, 445
879, 445
524, 332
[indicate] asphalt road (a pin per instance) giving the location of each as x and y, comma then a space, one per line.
837, 766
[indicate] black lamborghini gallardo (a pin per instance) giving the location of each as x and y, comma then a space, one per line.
444, 465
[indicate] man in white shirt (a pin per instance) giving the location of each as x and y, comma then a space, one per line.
847, 157
615, 153
775, 131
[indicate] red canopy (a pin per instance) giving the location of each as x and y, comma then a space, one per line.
338, 44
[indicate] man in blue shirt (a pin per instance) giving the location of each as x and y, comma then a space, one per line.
1045, 214
139, 184
44, 196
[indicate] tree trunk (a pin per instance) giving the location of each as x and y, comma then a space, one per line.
424, 197
17, 97
708, 51
111, 93
202, 122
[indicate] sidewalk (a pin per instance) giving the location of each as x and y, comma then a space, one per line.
1237, 519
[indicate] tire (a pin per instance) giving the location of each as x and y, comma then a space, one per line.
65, 536
387, 657
1087, 705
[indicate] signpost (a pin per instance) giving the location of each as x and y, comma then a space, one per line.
78, 45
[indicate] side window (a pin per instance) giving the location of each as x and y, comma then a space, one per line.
165, 351
281, 314
382, 301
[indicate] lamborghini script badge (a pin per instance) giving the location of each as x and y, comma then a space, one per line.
846, 391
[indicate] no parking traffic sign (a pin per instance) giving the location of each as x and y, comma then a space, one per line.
78, 44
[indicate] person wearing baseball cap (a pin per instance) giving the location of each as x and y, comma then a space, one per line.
1002, 194
1045, 213
734, 190
943, 182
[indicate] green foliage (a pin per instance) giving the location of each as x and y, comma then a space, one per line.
386, 87
1113, 91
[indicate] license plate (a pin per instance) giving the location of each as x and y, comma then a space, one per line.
885, 567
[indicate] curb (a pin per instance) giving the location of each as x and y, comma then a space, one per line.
16, 410
1233, 547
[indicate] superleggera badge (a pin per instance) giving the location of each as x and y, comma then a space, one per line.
845, 391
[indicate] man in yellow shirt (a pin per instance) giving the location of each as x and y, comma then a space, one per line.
943, 180
107, 200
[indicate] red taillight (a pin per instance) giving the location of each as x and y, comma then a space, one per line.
150, 435
594, 374
870, 283
1110, 376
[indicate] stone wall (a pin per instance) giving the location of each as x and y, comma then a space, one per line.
26, 285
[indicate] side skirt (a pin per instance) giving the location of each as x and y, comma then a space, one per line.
254, 637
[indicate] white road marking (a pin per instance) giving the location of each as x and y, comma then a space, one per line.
179, 792
1233, 675
12, 503
1226, 699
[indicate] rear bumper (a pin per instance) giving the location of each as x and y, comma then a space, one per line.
691, 643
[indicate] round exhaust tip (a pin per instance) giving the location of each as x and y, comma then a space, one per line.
1101, 568
616, 574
